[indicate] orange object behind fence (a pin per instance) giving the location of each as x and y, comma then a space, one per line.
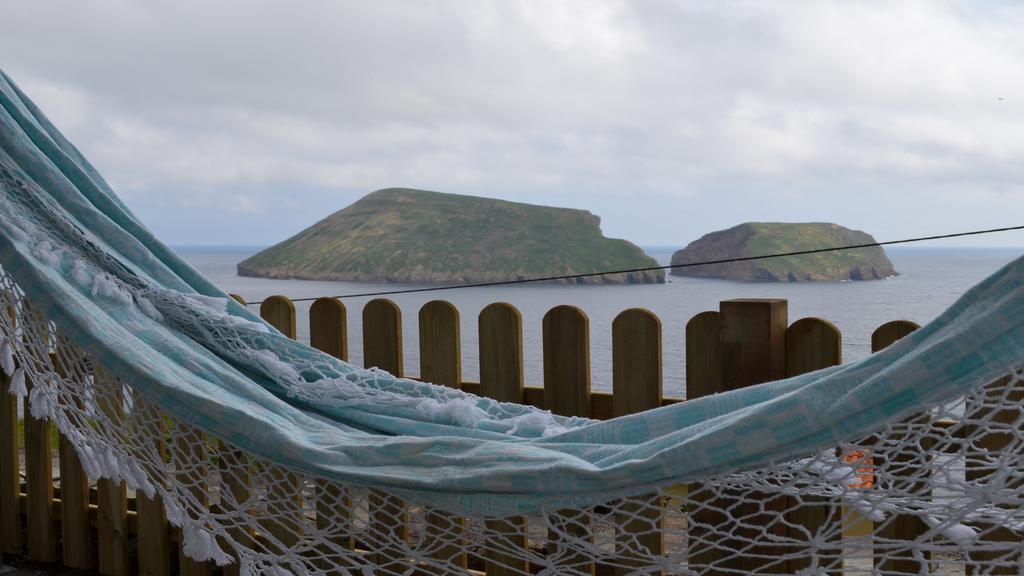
865, 470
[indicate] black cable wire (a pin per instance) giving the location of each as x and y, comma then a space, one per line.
653, 268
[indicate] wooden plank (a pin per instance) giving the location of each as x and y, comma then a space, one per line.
38, 453
813, 344
703, 355
279, 312
636, 387
388, 525
440, 349
284, 508
602, 405
753, 351
334, 519
703, 378
42, 531
328, 332
566, 346
898, 528
191, 461
382, 348
753, 341
999, 409
10, 465
888, 333
636, 362
382, 336
534, 396
154, 538
76, 531
236, 490
284, 489
10, 470
328, 327
112, 498
441, 363
600, 402
500, 338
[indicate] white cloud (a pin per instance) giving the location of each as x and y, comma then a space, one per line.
675, 108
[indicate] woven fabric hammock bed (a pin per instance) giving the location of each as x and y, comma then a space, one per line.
149, 354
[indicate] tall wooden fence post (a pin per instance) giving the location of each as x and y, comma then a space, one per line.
279, 312
154, 533
813, 344
753, 350
993, 423
500, 329
328, 332
328, 327
236, 491
900, 530
382, 348
192, 468
38, 453
566, 344
382, 336
636, 387
441, 363
112, 498
76, 530
10, 465
284, 488
10, 470
440, 347
236, 487
703, 378
42, 530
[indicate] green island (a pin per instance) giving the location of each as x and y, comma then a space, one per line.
417, 236
758, 238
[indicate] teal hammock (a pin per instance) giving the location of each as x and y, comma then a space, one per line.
135, 308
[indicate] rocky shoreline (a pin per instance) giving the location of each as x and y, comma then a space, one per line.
647, 277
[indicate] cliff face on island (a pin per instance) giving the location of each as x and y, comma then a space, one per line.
416, 236
758, 238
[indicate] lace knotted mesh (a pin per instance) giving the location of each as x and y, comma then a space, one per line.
939, 492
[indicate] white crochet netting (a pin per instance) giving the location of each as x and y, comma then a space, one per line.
940, 492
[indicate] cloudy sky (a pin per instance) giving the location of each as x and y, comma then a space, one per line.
243, 122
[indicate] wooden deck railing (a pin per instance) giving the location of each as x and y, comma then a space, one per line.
745, 342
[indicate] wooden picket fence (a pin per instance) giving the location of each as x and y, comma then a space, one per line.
98, 526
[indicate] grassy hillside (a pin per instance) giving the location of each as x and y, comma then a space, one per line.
406, 235
759, 238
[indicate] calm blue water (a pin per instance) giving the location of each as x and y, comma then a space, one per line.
930, 280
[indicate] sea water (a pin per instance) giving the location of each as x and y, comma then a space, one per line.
930, 279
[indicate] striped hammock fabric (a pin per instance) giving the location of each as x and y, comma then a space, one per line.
150, 355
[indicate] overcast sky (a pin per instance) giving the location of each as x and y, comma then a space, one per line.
244, 122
